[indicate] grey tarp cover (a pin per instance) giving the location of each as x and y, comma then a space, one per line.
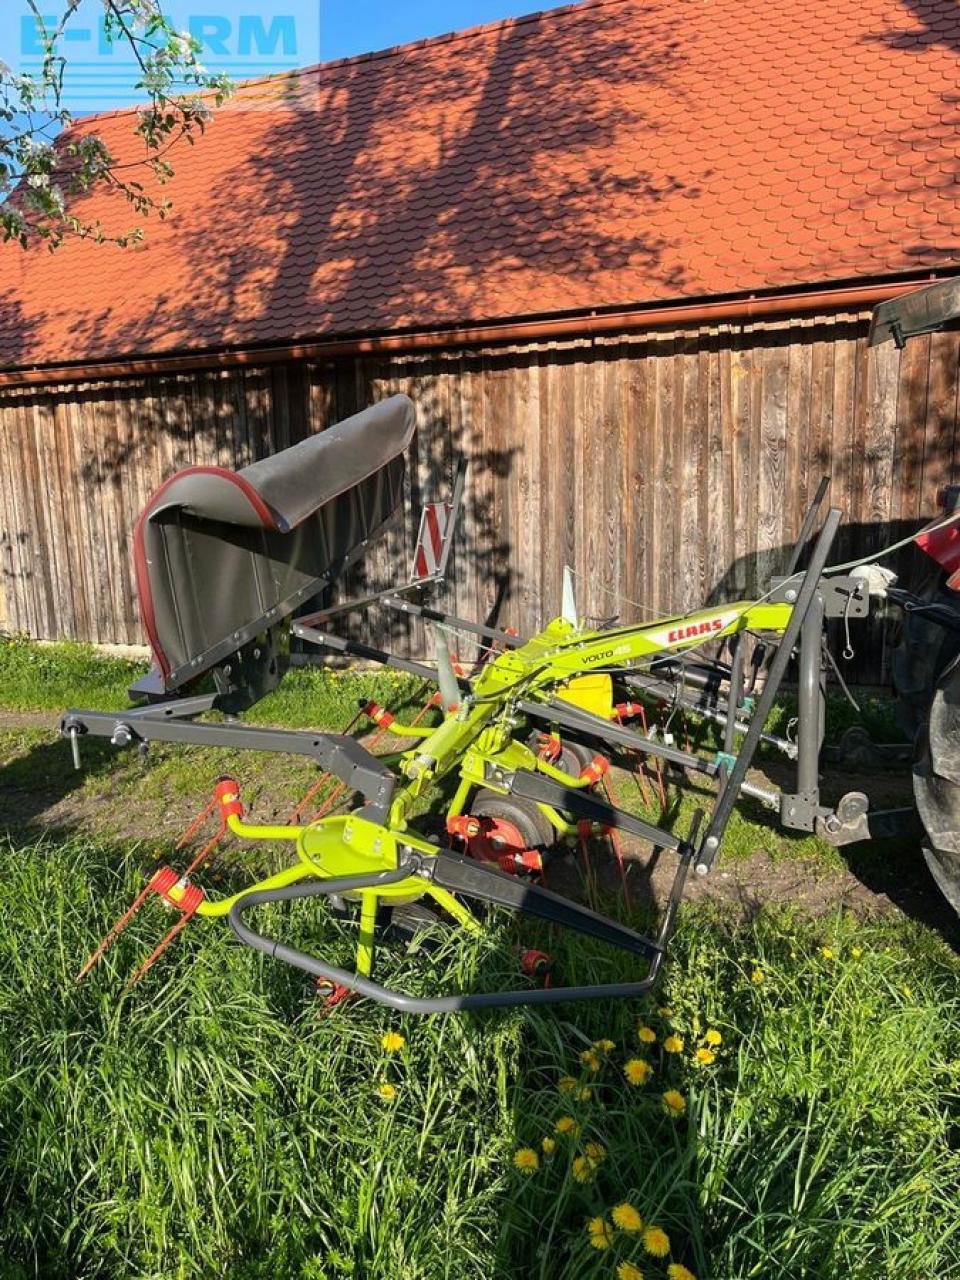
220, 555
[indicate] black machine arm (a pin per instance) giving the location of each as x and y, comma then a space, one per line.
334, 752
486, 884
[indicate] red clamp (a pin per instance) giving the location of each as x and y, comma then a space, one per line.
379, 715
463, 826
529, 860
595, 770
167, 879
536, 964
332, 993
549, 746
625, 710
227, 792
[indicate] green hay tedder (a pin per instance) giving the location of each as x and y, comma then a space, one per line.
225, 559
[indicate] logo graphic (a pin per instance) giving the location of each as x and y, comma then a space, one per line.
243, 39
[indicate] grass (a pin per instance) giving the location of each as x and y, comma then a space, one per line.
53, 677
210, 1124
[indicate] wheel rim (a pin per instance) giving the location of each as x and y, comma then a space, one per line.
498, 838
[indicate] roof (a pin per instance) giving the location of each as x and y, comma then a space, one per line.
611, 153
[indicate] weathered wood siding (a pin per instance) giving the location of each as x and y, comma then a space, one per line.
665, 468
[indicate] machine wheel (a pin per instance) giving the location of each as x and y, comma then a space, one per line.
574, 756
936, 783
509, 825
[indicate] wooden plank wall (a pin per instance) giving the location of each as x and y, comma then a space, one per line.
666, 468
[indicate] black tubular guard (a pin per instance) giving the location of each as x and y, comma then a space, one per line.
474, 880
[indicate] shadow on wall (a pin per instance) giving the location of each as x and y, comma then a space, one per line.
873, 639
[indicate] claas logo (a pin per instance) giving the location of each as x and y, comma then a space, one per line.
694, 629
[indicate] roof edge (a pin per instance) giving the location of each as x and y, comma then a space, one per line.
698, 312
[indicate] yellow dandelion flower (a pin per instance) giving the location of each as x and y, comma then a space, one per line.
600, 1233
908, 992
757, 976
626, 1217
656, 1241
646, 1035
386, 1090
637, 1071
604, 1046
583, 1168
827, 953
526, 1160
677, 1271
674, 1102
627, 1271
585, 1094
566, 1124
665, 1011
713, 1037
566, 1084
705, 1057
392, 1042
590, 1060
856, 952
596, 1152
673, 1044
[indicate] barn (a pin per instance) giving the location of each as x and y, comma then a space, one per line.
621, 255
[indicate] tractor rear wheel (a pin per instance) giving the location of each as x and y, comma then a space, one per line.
936, 783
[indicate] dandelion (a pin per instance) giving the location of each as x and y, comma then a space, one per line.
566, 1124
856, 952
526, 1160
386, 1090
908, 992
392, 1042
665, 1011
705, 1057
600, 1233
583, 1168
656, 1241
757, 976
596, 1152
566, 1084
677, 1271
673, 1044
549, 1146
627, 1271
646, 1035
590, 1060
604, 1046
626, 1217
827, 953
674, 1103
713, 1037
585, 1094
637, 1071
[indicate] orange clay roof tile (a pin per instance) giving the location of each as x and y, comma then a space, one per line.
611, 153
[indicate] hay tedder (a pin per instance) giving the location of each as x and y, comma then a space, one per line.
525, 738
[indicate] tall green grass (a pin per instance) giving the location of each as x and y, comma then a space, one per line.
209, 1124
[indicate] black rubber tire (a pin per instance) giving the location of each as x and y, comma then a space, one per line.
574, 757
533, 826
936, 783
